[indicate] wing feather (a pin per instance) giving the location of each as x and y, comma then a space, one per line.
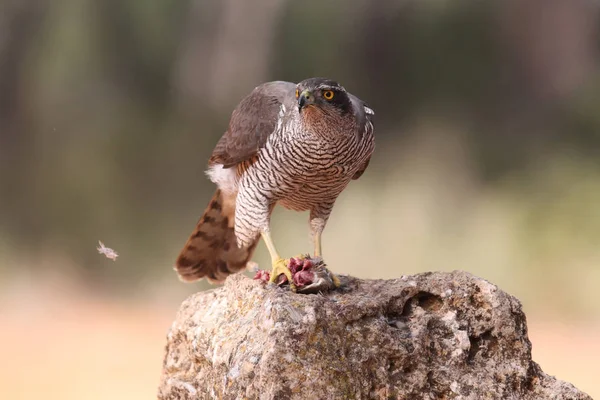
251, 123
365, 118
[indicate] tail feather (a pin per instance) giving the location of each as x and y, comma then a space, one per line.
211, 251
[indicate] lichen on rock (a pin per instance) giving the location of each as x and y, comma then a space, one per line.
427, 336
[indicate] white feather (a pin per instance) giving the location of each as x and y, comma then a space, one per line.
224, 178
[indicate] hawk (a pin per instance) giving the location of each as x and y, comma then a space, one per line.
297, 145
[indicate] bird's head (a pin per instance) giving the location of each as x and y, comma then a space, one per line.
320, 97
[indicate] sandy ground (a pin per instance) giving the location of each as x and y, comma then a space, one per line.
82, 348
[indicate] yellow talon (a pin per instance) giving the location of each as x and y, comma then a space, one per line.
280, 266
335, 279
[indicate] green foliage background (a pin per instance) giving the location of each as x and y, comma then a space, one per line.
488, 136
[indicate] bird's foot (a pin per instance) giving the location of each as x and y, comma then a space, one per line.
280, 267
304, 274
335, 279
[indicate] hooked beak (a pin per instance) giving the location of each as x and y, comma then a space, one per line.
305, 99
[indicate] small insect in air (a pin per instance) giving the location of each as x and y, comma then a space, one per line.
107, 251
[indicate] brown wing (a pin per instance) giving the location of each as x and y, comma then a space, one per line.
251, 123
362, 169
365, 117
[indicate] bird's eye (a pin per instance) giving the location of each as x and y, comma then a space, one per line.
328, 94
297, 93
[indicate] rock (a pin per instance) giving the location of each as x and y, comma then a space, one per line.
427, 336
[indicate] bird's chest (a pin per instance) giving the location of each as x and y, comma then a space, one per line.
313, 173
322, 162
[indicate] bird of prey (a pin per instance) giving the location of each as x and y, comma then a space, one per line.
297, 145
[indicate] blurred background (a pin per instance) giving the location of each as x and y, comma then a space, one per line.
487, 160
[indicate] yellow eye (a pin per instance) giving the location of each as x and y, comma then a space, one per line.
297, 93
328, 94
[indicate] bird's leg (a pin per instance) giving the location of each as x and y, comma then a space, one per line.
317, 224
280, 265
316, 229
317, 243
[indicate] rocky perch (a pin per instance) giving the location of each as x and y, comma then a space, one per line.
427, 336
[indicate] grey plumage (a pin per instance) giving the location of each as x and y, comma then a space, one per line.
286, 144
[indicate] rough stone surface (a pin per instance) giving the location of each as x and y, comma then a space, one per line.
427, 336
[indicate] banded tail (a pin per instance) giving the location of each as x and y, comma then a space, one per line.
211, 251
